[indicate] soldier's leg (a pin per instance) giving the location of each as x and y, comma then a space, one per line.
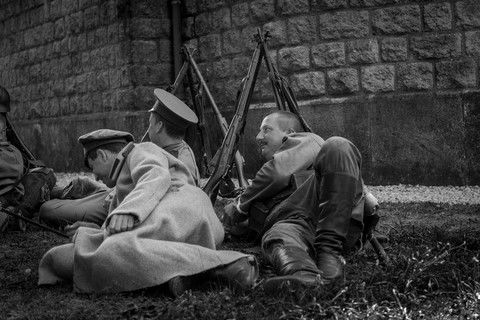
338, 173
288, 247
60, 212
56, 265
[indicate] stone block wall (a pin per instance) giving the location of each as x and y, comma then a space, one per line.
397, 76
77, 65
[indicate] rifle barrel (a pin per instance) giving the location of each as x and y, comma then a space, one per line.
230, 142
221, 119
47, 228
223, 123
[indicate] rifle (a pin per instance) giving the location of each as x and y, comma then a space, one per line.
379, 250
199, 104
235, 130
283, 93
189, 64
221, 120
12, 213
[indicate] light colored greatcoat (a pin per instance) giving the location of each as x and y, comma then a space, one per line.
175, 234
184, 153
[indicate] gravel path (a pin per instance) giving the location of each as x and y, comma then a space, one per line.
444, 194
394, 193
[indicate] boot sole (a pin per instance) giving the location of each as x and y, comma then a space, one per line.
277, 287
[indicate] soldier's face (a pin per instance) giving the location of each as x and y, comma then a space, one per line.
102, 165
270, 137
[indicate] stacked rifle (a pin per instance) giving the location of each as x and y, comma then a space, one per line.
220, 165
284, 99
198, 93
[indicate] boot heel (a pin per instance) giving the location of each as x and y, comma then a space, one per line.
178, 285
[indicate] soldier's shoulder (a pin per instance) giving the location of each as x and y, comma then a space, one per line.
11, 160
7, 147
306, 137
149, 148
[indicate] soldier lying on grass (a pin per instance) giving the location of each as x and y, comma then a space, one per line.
160, 227
304, 231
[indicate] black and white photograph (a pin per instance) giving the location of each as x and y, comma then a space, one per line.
239, 159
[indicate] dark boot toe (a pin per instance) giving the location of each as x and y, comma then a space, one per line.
241, 274
331, 266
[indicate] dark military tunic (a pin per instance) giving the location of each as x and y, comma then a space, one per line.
11, 167
11, 171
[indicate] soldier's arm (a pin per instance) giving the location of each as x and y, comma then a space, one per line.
272, 178
297, 153
149, 171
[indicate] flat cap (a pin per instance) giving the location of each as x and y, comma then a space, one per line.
101, 137
172, 109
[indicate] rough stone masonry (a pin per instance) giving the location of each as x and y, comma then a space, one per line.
397, 77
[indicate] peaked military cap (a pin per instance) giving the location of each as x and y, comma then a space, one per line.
172, 109
4, 100
101, 137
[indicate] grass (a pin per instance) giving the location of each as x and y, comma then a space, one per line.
435, 274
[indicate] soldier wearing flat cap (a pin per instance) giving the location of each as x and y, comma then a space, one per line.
160, 227
111, 140
169, 120
84, 199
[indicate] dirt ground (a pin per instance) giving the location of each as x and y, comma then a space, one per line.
435, 274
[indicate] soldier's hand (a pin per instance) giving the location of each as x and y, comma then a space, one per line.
232, 216
72, 228
120, 223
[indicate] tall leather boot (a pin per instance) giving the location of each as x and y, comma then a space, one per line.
338, 197
296, 268
241, 274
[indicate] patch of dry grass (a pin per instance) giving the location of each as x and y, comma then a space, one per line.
435, 275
